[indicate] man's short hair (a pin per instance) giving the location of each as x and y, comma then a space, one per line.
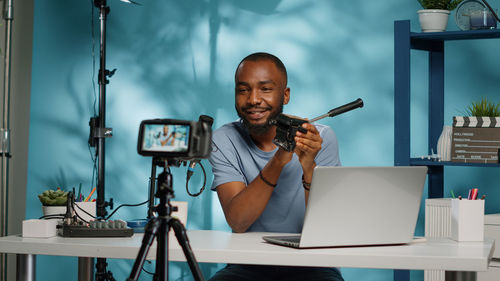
265, 56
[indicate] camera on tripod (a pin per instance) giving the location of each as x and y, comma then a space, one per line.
175, 139
288, 125
170, 142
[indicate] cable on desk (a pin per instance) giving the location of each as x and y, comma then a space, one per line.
125, 205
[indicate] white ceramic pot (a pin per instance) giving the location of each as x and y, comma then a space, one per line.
433, 20
53, 210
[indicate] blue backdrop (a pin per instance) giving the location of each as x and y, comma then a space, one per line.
176, 59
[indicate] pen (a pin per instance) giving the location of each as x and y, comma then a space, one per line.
452, 193
474, 193
79, 198
88, 197
482, 197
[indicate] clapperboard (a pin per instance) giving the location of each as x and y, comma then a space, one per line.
475, 139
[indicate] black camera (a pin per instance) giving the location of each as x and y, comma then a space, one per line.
176, 139
288, 125
286, 128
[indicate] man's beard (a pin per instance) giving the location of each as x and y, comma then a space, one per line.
259, 129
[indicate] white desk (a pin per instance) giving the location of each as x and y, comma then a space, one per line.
249, 248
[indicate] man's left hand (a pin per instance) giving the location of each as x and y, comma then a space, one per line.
307, 147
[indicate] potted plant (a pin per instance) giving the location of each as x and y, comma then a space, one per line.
477, 133
434, 16
53, 201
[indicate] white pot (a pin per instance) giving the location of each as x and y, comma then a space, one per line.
433, 20
53, 210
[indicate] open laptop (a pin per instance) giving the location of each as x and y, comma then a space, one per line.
355, 206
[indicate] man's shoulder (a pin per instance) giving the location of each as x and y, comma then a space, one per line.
226, 129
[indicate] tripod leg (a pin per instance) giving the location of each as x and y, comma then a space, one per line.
180, 233
161, 272
150, 232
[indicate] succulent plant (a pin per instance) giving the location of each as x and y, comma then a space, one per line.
52, 197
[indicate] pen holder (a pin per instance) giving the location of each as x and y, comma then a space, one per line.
89, 207
467, 220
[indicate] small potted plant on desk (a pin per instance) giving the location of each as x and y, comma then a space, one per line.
434, 16
53, 202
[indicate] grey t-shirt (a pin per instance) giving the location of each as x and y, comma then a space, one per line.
235, 157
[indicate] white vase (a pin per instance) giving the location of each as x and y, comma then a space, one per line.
433, 20
444, 144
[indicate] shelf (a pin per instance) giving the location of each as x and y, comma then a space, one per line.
425, 162
456, 35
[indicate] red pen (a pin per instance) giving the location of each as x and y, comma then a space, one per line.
474, 193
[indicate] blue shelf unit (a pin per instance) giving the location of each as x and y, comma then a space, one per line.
433, 43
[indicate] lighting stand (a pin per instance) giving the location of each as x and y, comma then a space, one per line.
5, 131
158, 228
98, 132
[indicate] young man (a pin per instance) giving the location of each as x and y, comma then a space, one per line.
262, 187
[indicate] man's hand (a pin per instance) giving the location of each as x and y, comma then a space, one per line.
307, 147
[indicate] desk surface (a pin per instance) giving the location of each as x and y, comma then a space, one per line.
249, 248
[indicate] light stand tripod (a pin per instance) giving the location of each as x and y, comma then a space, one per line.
159, 226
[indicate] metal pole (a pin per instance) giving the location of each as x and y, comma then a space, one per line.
5, 137
85, 269
101, 203
26, 267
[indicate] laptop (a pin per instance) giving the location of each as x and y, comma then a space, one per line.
359, 206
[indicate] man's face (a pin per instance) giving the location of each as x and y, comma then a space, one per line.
259, 94
165, 130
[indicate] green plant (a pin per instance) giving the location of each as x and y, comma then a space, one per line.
483, 108
440, 4
52, 197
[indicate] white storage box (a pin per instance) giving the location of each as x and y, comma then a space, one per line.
493, 273
39, 228
492, 230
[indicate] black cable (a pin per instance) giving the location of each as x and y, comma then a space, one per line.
148, 272
204, 182
491, 10
54, 216
125, 205
76, 213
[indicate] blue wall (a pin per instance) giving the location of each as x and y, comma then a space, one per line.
176, 59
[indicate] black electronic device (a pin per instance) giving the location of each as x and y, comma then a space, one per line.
288, 125
109, 228
175, 139
170, 142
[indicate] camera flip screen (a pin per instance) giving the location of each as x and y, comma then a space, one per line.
166, 138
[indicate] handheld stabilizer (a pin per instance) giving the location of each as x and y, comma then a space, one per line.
288, 125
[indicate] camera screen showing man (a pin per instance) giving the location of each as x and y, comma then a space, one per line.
166, 138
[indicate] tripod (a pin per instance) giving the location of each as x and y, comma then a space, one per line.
159, 226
